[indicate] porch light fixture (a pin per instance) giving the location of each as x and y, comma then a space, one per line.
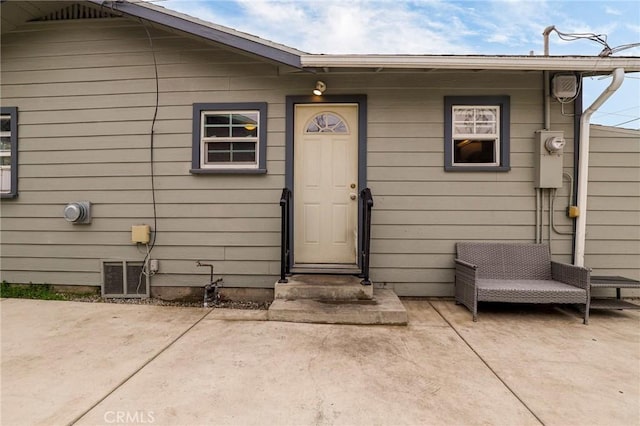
320, 88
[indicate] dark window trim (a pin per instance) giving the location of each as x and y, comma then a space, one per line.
505, 135
262, 137
13, 112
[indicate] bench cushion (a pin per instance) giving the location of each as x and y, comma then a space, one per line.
528, 291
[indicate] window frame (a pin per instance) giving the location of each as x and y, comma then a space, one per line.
199, 142
12, 112
503, 127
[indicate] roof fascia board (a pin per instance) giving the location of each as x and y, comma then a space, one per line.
515, 63
205, 32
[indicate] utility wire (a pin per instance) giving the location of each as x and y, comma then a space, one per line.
608, 52
619, 111
154, 233
626, 122
598, 38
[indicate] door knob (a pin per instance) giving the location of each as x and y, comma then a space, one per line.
353, 196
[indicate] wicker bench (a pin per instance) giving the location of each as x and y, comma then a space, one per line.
517, 273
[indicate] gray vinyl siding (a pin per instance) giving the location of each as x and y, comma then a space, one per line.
421, 210
85, 94
613, 222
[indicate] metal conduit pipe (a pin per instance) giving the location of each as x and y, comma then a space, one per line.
549, 230
553, 201
546, 82
553, 192
545, 34
583, 163
537, 215
541, 215
546, 96
547, 100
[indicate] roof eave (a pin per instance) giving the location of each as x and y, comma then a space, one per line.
138, 10
470, 62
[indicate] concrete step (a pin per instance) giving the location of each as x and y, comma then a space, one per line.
384, 309
325, 268
325, 287
325, 271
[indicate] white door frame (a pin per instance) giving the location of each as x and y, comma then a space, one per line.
291, 102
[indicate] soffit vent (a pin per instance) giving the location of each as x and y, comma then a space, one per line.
77, 11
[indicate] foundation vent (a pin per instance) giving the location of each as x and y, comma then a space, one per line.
124, 279
77, 11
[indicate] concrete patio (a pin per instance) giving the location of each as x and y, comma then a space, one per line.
85, 364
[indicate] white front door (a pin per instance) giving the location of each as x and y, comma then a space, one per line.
325, 184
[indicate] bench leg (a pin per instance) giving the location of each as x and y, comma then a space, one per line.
587, 306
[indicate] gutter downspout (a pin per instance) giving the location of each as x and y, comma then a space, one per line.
583, 163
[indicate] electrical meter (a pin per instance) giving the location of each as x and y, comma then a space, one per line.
549, 147
554, 144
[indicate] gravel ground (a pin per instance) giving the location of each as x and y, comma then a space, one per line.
229, 304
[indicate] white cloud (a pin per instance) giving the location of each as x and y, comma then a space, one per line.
335, 26
611, 11
418, 26
355, 26
498, 38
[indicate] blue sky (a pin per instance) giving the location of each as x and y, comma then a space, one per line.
442, 27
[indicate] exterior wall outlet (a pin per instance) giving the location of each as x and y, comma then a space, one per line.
549, 152
154, 265
140, 234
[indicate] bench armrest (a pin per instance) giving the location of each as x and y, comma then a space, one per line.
465, 264
466, 291
577, 276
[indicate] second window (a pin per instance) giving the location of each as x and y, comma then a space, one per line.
229, 139
477, 133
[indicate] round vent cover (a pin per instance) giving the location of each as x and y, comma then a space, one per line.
78, 212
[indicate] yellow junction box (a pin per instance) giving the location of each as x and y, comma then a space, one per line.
573, 212
140, 234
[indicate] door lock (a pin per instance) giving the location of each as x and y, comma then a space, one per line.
353, 196
353, 186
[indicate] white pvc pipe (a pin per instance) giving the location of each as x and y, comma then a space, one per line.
583, 163
545, 34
